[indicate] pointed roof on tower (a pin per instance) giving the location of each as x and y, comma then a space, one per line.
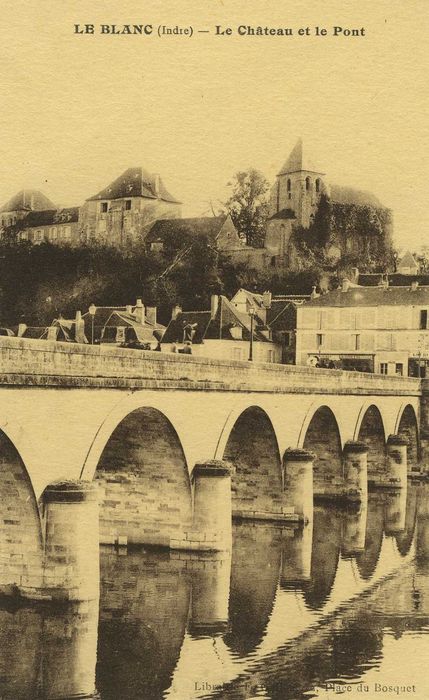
298, 160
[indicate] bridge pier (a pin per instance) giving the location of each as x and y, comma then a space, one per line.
298, 482
355, 456
296, 556
396, 452
354, 531
71, 563
210, 593
211, 528
395, 511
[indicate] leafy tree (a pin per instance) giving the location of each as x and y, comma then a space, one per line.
248, 205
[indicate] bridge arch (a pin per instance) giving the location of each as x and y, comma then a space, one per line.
407, 426
321, 434
252, 447
370, 429
21, 544
145, 492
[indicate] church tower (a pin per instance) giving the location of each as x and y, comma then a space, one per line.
298, 187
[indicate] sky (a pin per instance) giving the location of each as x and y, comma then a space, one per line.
77, 110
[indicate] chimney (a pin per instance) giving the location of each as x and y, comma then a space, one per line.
314, 294
22, 327
345, 285
414, 286
266, 300
151, 315
129, 309
139, 312
175, 311
79, 332
214, 303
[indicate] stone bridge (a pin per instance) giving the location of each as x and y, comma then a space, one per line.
171, 445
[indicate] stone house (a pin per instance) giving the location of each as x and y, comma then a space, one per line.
123, 324
379, 329
123, 212
58, 226
21, 204
223, 332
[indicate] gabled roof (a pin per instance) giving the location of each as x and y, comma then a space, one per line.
144, 332
253, 298
373, 296
206, 328
50, 217
200, 321
28, 200
209, 226
407, 261
298, 160
283, 214
136, 182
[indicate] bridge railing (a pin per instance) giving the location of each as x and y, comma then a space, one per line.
26, 361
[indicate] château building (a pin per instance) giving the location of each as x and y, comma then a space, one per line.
124, 211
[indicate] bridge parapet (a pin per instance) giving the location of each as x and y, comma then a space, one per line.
48, 363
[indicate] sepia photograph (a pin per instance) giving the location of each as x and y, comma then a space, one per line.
214, 350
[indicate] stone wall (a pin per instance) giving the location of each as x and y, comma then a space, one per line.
48, 363
145, 494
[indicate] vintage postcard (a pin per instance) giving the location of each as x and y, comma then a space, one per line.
214, 350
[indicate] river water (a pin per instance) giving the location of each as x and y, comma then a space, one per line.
339, 609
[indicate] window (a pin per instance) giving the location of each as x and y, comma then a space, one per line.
54, 232
270, 355
357, 341
128, 204
104, 207
67, 232
318, 185
383, 367
289, 187
423, 319
320, 339
399, 369
307, 183
120, 334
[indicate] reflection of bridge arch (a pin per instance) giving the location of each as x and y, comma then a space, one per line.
144, 479
324, 556
21, 533
256, 561
367, 560
405, 538
253, 449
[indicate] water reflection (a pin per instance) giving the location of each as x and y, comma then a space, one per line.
48, 651
291, 611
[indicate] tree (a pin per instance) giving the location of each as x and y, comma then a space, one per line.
248, 205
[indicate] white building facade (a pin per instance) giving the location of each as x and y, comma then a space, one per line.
377, 329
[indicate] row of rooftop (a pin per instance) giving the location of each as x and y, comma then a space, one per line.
379, 327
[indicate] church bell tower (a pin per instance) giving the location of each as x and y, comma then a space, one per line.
298, 187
